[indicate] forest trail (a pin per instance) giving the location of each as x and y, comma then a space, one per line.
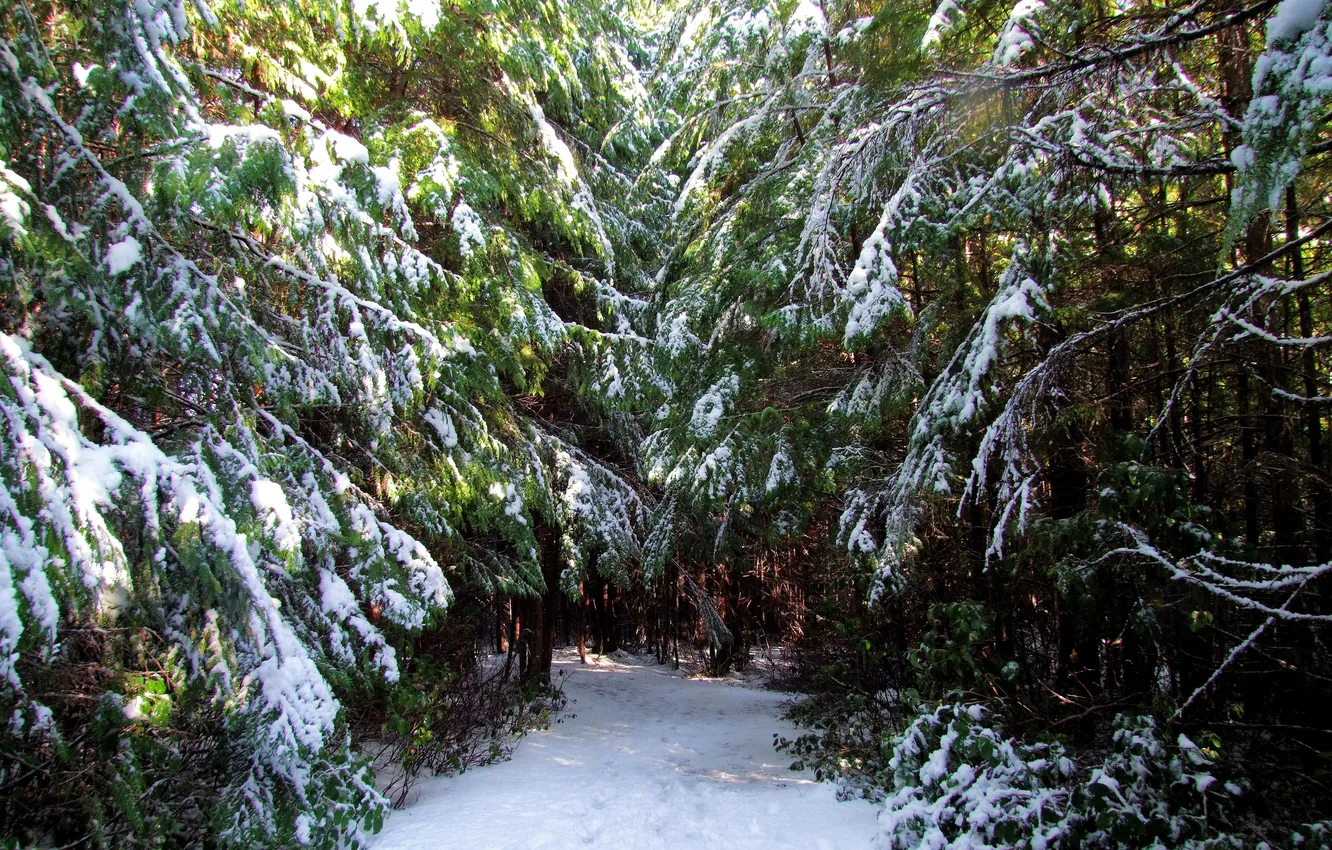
643, 759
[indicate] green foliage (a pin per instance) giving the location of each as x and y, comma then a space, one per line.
954, 779
957, 781
317, 314
956, 651
1149, 793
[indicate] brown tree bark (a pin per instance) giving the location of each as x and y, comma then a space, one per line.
582, 624
503, 622
545, 610
610, 626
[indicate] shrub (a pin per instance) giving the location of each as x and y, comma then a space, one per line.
959, 782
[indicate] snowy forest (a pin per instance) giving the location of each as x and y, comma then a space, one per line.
971, 357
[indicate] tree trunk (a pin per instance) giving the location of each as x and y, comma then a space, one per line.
1313, 420
503, 621
610, 629
1249, 453
545, 610
582, 624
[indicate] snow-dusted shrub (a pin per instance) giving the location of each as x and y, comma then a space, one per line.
959, 782
1309, 836
1151, 794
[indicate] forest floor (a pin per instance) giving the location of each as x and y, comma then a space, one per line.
643, 758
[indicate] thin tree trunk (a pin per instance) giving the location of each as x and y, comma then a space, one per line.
1249, 451
1313, 420
582, 624
503, 621
609, 624
675, 624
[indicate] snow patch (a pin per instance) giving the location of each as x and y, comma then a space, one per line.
1293, 19
710, 407
123, 256
941, 22
388, 13
270, 502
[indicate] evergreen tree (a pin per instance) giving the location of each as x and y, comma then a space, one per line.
279, 277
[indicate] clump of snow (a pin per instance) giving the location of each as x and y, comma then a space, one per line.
81, 73
335, 596
388, 185
710, 407
715, 472
871, 288
303, 824
853, 30
388, 13
347, 148
468, 225
512, 498
133, 710
339, 603
271, 503
566, 169
807, 17
240, 135
1293, 19
124, 255
11, 625
747, 23
292, 109
68, 232
443, 425
712, 157
1291, 81
940, 22
697, 23
1018, 297
597, 504
1014, 40
304, 708
781, 471
676, 337
13, 207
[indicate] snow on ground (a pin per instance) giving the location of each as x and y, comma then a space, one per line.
643, 759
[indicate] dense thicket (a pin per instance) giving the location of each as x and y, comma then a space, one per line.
976, 352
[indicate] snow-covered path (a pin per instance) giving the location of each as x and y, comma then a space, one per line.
649, 760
